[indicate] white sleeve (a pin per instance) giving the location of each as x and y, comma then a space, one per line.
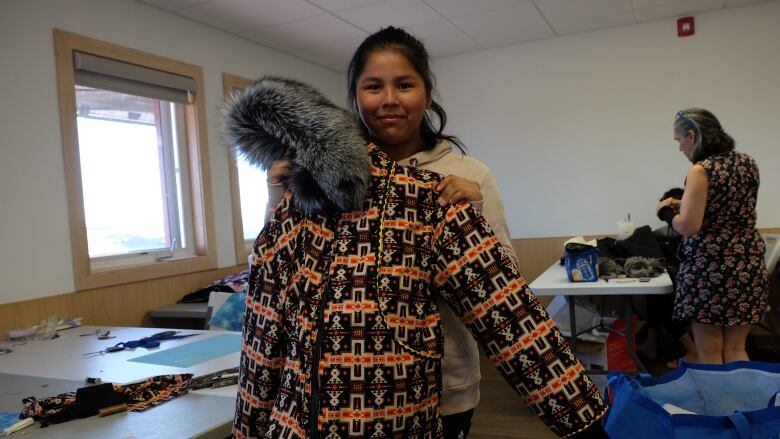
275, 195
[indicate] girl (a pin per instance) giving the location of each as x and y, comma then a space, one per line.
342, 336
390, 86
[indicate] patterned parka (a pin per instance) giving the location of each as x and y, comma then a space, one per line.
342, 335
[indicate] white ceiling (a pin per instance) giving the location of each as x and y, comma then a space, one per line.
326, 32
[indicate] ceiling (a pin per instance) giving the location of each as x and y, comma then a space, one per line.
326, 32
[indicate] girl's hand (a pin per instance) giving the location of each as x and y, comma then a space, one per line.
279, 172
453, 189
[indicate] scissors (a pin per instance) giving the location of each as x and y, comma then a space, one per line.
149, 342
102, 334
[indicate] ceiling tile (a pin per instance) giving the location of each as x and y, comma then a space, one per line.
237, 16
335, 55
337, 5
463, 7
302, 33
568, 10
500, 27
568, 17
401, 13
649, 10
442, 38
173, 5
615, 19
733, 3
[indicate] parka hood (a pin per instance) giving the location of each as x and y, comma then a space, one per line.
277, 117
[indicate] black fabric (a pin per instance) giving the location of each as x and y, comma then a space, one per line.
88, 400
659, 307
669, 241
640, 243
93, 398
202, 295
666, 214
457, 426
659, 314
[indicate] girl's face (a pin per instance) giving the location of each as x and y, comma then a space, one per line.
391, 100
685, 141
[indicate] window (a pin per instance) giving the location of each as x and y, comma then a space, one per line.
135, 162
248, 188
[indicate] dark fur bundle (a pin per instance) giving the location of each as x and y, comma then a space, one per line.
277, 117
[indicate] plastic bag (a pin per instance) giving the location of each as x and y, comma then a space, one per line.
738, 400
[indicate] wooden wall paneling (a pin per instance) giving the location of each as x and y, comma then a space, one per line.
129, 304
119, 305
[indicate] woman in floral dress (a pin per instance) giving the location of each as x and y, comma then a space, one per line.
722, 285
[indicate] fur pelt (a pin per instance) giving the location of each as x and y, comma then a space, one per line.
276, 118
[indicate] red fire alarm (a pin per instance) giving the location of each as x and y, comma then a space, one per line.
685, 27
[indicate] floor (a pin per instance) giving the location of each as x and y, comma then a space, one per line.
501, 413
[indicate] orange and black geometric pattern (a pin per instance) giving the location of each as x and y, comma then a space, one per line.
342, 336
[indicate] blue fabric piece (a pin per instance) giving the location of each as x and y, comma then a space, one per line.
730, 402
8, 419
230, 315
194, 353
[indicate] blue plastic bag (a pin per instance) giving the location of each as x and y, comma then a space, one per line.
582, 263
738, 400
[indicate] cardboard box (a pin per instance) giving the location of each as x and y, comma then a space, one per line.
611, 355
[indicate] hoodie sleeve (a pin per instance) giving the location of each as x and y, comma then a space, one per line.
275, 193
261, 362
492, 208
476, 279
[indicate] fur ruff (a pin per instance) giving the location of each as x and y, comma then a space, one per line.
277, 117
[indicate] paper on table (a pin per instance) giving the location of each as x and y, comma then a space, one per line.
194, 353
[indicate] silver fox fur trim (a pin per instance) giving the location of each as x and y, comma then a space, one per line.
277, 117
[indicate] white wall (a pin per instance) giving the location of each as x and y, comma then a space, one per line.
35, 258
578, 131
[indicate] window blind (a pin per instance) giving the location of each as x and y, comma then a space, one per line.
108, 74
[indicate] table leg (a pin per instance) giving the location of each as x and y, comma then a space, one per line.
630, 336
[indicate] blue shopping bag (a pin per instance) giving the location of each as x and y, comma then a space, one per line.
738, 400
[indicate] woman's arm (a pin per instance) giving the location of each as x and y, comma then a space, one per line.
694, 201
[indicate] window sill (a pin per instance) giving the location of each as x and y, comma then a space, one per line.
145, 271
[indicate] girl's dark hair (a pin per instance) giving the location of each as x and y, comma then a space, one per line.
393, 38
710, 137
675, 192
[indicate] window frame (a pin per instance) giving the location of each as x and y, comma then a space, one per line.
204, 258
243, 246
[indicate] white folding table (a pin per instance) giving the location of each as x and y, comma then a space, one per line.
554, 282
43, 368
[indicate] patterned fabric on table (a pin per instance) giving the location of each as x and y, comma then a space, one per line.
343, 340
230, 316
232, 283
139, 396
723, 278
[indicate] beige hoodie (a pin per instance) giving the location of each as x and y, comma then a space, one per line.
460, 364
